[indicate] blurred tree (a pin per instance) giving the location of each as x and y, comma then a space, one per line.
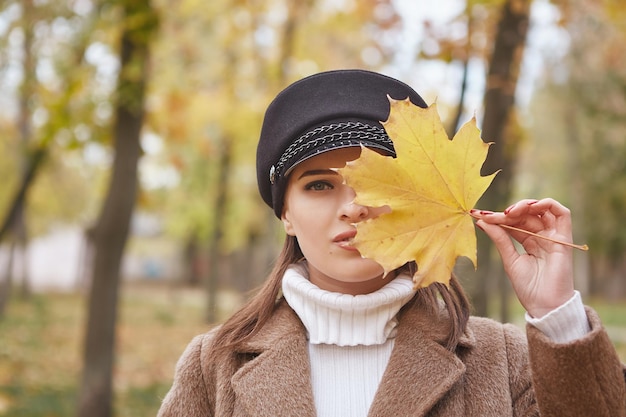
39, 40
495, 32
18, 224
139, 23
497, 127
258, 47
580, 117
15, 220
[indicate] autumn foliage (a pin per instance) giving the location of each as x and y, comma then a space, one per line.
430, 186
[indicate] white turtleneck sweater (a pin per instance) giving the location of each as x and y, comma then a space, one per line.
351, 337
350, 340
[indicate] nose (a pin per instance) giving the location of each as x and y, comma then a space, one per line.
352, 211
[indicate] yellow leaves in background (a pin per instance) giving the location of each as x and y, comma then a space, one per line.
430, 187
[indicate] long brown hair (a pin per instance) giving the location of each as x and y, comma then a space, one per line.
246, 322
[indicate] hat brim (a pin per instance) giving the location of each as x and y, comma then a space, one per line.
335, 134
385, 150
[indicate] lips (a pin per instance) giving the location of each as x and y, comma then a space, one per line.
344, 239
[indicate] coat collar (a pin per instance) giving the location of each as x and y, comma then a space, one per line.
278, 380
420, 371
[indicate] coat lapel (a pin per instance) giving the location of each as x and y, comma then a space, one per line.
419, 374
420, 371
280, 367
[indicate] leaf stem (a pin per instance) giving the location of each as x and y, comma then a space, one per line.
561, 242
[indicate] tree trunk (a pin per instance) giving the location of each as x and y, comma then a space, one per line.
15, 219
454, 125
27, 93
191, 271
35, 162
499, 101
111, 231
6, 282
219, 210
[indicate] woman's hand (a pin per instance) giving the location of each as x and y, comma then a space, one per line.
542, 274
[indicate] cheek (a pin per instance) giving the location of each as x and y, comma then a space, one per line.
294, 217
305, 221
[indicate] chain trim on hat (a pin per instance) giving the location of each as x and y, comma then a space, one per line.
301, 145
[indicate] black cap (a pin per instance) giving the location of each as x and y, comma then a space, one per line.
329, 110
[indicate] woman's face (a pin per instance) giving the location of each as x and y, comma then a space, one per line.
319, 210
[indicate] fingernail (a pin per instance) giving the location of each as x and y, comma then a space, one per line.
485, 212
509, 208
530, 203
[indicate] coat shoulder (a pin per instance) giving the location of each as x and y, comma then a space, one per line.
189, 390
491, 338
487, 331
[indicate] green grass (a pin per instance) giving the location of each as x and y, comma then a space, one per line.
36, 400
41, 349
612, 313
41, 343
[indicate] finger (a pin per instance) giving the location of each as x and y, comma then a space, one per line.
560, 215
548, 204
555, 219
520, 219
520, 208
531, 215
501, 240
536, 207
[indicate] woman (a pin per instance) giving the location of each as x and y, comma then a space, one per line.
329, 335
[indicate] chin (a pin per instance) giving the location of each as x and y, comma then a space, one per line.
362, 275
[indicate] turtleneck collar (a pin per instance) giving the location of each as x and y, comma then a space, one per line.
344, 319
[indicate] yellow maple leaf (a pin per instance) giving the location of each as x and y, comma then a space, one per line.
430, 187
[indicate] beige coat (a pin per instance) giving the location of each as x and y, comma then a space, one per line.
490, 374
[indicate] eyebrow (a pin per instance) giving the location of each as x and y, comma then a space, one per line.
318, 172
